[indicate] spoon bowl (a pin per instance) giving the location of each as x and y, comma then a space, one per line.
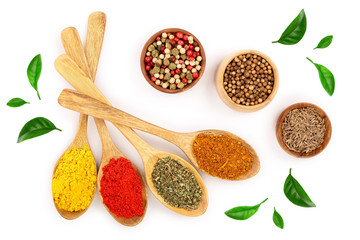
79, 141
187, 148
150, 156
110, 151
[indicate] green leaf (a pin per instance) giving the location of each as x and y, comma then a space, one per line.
34, 71
278, 220
16, 102
35, 128
325, 42
295, 31
326, 77
243, 212
295, 193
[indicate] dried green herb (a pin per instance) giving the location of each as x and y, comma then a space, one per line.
278, 220
34, 71
325, 42
243, 212
176, 184
295, 192
16, 102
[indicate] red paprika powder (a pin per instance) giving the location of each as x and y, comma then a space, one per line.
121, 189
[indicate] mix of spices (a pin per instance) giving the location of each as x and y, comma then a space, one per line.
173, 60
303, 130
248, 79
222, 156
176, 184
121, 189
73, 185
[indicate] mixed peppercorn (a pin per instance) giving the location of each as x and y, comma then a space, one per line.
173, 60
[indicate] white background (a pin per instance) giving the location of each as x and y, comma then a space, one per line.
331, 178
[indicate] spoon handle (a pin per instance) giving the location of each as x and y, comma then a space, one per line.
94, 40
72, 44
78, 79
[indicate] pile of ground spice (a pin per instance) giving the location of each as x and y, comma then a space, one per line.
176, 184
303, 130
222, 156
121, 189
73, 185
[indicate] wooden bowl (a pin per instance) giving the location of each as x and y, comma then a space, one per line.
147, 75
327, 136
220, 82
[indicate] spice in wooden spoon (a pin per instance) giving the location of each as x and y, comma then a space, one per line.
127, 206
72, 196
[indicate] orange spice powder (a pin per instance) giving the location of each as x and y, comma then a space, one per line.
222, 156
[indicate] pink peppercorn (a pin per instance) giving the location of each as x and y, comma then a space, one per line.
191, 47
181, 61
172, 72
184, 80
189, 53
189, 67
180, 42
185, 37
158, 38
148, 67
153, 78
147, 59
195, 75
179, 35
191, 58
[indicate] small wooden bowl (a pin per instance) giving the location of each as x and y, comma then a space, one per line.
220, 82
147, 75
327, 136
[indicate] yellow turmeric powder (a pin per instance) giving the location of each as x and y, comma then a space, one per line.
74, 180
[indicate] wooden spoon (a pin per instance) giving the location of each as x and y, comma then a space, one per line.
74, 49
66, 67
80, 139
71, 72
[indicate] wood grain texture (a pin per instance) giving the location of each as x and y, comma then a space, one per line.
82, 103
71, 35
219, 82
76, 77
327, 136
146, 74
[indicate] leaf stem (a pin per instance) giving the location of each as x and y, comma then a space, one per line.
310, 60
38, 95
264, 201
